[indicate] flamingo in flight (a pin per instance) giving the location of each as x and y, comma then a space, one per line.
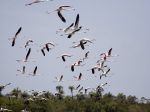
78, 87
74, 31
34, 73
22, 71
65, 55
74, 28
100, 87
86, 89
71, 27
35, 70
28, 42
77, 63
107, 54
14, 38
3, 86
104, 56
104, 73
60, 9
47, 47
81, 44
93, 69
37, 1
42, 50
27, 55
59, 79
79, 77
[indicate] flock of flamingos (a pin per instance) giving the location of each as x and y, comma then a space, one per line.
100, 68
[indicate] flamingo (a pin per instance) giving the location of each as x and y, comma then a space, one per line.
93, 69
35, 70
37, 1
80, 89
79, 77
72, 27
76, 25
86, 55
59, 12
59, 79
34, 73
100, 87
14, 38
101, 66
84, 41
107, 54
87, 40
72, 67
73, 32
104, 73
27, 55
81, 44
22, 71
86, 89
47, 47
28, 42
65, 55
104, 56
77, 63
43, 52
3, 86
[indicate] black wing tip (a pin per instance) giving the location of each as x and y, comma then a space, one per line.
69, 36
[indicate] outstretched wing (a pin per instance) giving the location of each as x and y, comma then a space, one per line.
61, 16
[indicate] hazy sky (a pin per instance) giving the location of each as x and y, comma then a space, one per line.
119, 24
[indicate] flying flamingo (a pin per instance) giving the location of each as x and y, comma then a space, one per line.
60, 9
37, 1
14, 38
104, 73
28, 42
59, 79
73, 32
72, 27
34, 73
79, 77
22, 71
65, 55
80, 89
81, 44
27, 55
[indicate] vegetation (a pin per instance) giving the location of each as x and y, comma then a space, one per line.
93, 101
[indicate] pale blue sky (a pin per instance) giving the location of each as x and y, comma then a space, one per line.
121, 24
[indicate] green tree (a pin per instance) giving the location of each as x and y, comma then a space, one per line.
16, 92
71, 90
121, 98
60, 91
131, 99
